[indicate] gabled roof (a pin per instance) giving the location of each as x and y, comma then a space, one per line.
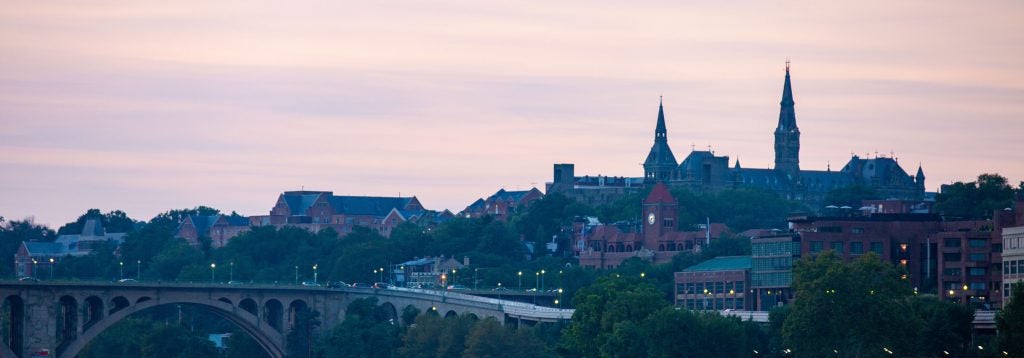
722, 263
368, 205
44, 248
299, 202
659, 194
695, 160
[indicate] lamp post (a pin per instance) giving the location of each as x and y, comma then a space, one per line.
231, 272
213, 272
536, 281
520, 280
559, 298
374, 273
138, 270
314, 274
475, 270
34, 265
296, 275
499, 291
542, 280
122, 269
381, 275
51, 268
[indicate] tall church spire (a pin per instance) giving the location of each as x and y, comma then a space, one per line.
660, 132
787, 134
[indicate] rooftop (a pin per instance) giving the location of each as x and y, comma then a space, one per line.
724, 263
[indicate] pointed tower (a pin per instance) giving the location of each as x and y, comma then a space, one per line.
660, 163
919, 178
787, 135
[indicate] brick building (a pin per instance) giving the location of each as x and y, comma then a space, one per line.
658, 238
502, 204
40, 256
716, 284
1013, 259
218, 228
771, 269
316, 210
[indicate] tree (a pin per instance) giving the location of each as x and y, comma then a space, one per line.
302, 338
173, 341
946, 326
489, 338
831, 292
368, 331
975, 200
603, 306
1010, 323
114, 221
851, 196
12, 234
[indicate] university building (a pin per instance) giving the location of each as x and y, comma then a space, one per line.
704, 170
658, 238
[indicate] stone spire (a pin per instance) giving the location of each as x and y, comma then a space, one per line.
787, 134
660, 164
919, 178
660, 131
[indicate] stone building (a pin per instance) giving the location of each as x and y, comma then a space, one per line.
704, 170
502, 204
218, 228
33, 257
316, 210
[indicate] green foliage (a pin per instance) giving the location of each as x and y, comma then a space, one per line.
241, 345
1010, 323
489, 338
546, 216
946, 326
12, 233
602, 307
851, 196
368, 331
739, 209
301, 340
831, 292
114, 221
977, 199
707, 335
464, 336
142, 337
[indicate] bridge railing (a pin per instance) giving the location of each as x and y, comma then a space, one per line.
512, 307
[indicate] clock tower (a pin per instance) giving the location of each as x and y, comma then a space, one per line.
660, 214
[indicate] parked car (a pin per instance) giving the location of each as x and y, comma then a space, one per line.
500, 289
338, 284
234, 282
127, 280
310, 284
361, 285
458, 287
380, 285
28, 279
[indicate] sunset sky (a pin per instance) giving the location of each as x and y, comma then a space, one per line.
146, 106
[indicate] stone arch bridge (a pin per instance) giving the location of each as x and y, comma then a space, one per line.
61, 318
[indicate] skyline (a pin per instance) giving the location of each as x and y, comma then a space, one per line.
149, 106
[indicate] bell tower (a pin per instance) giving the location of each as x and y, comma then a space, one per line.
787, 134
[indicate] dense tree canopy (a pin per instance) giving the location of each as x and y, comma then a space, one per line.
1010, 323
977, 199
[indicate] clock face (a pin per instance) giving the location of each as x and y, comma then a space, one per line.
650, 218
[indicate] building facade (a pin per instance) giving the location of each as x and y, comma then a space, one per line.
717, 284
502, 204
771, 269
704, 170
218, 228
317, 210
1013, 259
658, 238
33, 258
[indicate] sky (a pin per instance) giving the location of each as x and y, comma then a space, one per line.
147, 106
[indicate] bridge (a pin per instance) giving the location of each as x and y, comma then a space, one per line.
61, 318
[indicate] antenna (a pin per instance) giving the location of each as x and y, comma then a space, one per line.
787, 64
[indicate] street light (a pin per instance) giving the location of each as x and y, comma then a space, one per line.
296, 275
381, 275
51, 268
138, 270
314, 274
34, 263
231, 272
520, 280
642, 275
536, 282
559, 298
122, 270
475, 271
454, 281
213, 272
542, 280
499, 291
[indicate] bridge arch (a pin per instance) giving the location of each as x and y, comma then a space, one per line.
249, 305
118, 303
273, 312
271, 341
92, 311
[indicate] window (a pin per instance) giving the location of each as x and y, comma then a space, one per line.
976, 242
816, 246
951, 257
876, 247
951, 243
668, 223
976, 271
978, 257
833, 229
857, 230
856, 248
978, 286
1013, 267
951, 272
837, 246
